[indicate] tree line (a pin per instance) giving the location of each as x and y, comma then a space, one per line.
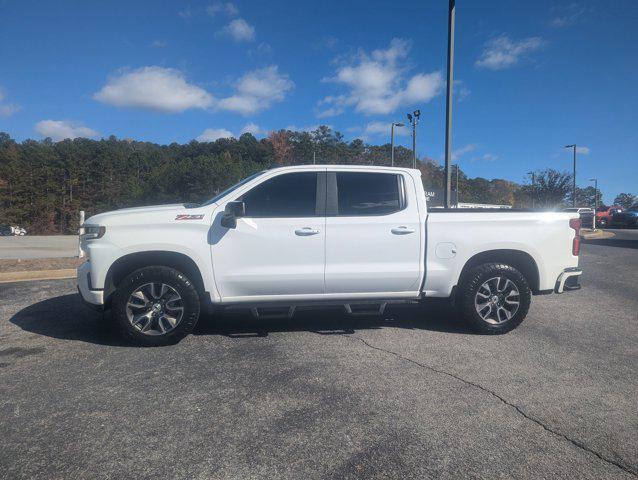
44, 184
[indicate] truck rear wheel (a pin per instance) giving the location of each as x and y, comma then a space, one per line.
494, 298
156, 306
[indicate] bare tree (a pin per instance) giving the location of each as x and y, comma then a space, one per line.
282, 147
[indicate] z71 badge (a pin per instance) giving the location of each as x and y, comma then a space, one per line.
185, 216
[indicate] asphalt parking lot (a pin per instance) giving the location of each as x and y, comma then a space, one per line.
409, 395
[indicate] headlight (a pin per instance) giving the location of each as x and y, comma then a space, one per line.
92, 232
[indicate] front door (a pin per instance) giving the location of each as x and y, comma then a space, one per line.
277, 250
373, 234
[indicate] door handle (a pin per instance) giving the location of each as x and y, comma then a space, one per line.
306, 231
402, 230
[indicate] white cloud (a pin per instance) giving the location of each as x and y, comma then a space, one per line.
153, 88
458, 153
60, 129
307, 128
502, 52
257, 90
377, 83
262, 49
239, 30
186, 13
489, 157
254, 129
381, 129
158, 44
565, 15
461, 92
376, 128
583, 150
7, 109
221, 7
212, 134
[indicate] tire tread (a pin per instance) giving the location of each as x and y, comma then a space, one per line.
474, 279
155, 274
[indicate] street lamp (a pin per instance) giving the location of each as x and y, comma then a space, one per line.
595, 180
457, 184
448, 100
574, 176
533, 186
414, 119
394, 124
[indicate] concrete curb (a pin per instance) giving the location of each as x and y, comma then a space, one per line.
9, 277
596, 234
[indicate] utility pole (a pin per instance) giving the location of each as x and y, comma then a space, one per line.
394, 124
457, 184
414, 119
533, 186
574, 176
448, 110
595, 180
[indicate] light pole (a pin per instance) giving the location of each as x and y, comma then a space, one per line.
457, 184
574, 176
533, 187
394, 124
448, 103
414, 119
595, 180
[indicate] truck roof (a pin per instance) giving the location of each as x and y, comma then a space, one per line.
347, 167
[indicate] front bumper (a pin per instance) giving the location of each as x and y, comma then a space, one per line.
94, 297
568, 280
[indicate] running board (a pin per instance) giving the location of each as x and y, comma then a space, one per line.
364, 309
265, 313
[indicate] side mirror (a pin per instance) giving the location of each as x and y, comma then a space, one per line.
232, 212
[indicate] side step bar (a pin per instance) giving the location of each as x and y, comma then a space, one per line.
365, 308
354, 309
265, 313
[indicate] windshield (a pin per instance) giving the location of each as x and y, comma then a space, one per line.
230, 189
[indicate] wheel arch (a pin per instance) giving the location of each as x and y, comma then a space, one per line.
518, 259
127, 264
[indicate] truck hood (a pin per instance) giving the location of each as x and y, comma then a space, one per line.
149, 215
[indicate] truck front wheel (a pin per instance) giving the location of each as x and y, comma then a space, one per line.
494, 298
156, 306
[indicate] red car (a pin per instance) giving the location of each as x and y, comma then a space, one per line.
603, 214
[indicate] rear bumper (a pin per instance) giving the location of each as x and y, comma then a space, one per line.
568, 280
94, 297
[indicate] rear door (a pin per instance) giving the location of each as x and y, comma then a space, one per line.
278, 247
373, 233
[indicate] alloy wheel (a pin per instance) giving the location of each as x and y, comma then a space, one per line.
155, 308
497, 300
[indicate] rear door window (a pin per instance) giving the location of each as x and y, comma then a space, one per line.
361, 193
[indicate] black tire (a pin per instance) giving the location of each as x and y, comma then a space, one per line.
189, 302
602, 222
474, 280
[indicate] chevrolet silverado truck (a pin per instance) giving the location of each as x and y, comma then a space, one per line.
302, 237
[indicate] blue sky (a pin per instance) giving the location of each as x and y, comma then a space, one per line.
531, 77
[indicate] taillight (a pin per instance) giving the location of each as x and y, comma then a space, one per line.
575, 224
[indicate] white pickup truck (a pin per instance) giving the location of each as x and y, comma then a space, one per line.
311, 236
